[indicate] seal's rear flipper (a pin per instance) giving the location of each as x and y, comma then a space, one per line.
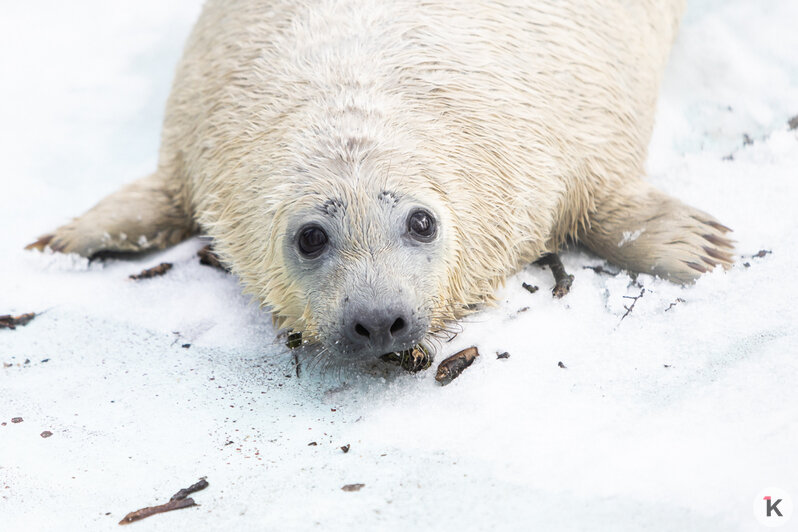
644, 230
145, 215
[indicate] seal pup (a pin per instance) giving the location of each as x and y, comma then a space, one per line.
371, 170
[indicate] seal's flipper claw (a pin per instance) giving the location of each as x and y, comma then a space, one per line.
645, 230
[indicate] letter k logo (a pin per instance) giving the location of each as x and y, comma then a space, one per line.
772, 506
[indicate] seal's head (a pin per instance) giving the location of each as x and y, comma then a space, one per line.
360, 248
367, 261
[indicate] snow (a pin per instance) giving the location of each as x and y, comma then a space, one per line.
631, 236
672, 418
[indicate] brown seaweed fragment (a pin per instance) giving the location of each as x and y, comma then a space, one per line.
452, 367
416, 359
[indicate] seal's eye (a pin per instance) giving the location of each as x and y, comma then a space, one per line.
311, 241
421, 225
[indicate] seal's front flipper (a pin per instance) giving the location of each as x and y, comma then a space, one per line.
145, 215
644, 230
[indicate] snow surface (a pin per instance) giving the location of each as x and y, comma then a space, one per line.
672, 419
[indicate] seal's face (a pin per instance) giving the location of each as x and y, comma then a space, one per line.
369, 261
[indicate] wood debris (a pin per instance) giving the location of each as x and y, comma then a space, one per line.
209, 258
452, 367
529, 288
7, 321
634, 302
178, 501
156, 271
562, 279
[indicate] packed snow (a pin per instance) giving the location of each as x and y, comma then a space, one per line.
673, 416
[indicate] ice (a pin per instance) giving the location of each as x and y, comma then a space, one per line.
672, 418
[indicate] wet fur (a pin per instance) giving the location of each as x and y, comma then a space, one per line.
525, 125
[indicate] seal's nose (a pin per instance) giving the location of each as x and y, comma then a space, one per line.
383, 330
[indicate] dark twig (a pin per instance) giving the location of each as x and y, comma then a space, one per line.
674, 303
7, 321
159, 270
209, 258
634, 302
562, 279
529, 288
297, 365
185, 492
178, 501
758, 255
601, 270
152, 510
293, 342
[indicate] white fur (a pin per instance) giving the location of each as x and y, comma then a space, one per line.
523, 123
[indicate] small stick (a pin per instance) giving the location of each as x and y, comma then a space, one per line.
297, 365
149, 273
600, 270
562, 279
674, 303
178, 501
209, 258
529, 288
294, 341
632, 306
185, 492
7, 321
176, 504
452, 367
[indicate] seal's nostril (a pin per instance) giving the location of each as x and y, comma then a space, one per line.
362, 331
397, 326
